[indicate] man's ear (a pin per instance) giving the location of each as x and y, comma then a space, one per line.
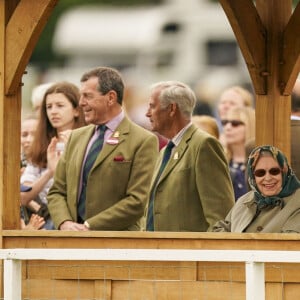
112, 97
173, 109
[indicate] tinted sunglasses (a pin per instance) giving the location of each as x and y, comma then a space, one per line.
262, 172
234, 123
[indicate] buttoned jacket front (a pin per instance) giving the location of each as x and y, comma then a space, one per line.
118, 183
195, 189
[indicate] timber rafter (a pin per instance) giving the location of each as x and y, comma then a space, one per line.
23, 30
252, 38
290, 57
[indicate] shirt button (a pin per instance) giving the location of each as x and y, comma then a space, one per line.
259, 228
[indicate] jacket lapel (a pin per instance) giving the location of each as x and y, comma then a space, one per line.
81, 148
178, 153
119, 135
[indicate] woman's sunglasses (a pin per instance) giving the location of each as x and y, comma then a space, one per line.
262, 172
234, 123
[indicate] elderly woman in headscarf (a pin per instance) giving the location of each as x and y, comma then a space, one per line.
273, 204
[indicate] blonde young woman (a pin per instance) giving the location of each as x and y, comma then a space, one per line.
239, 129
234, 96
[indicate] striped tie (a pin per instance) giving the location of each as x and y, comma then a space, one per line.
89, 162
166, 157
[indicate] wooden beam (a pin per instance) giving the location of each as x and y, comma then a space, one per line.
22, 32
290, 55
2, 55
273, 110
11, 159
21, 23
10, 7
251, 36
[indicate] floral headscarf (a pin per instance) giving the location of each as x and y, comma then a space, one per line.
290, 182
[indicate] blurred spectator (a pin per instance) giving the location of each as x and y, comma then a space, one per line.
295, 107
296, 88
202, 108
208, 124
205, 97
37, 96
235, 96
35, 222
28, 128
239, 128
295, 129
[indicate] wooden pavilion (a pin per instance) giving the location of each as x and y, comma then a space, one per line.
268, 33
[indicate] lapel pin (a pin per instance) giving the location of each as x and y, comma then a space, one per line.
116, 134
176, 155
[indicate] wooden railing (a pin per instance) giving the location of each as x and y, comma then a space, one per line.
254, 262
142, 265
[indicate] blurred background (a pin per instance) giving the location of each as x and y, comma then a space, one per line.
148, 41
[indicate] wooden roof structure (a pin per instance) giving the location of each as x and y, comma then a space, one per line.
267, 33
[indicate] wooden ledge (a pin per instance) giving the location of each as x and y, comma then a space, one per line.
148, 240
152, 235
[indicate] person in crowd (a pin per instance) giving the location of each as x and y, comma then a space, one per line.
208, 124
191, 186
37, 96
295, 129
35, 222
59, 114
102, 179
295, 107
204, 98
296, 88
273, 204
28, 128
235, 96
239, 130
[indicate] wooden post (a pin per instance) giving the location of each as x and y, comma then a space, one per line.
10, 112
22, 23
2, 51
273, 109
265, 37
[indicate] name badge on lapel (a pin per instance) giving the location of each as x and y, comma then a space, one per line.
114, 139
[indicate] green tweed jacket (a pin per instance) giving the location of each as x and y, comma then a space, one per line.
118, 183
195, 189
